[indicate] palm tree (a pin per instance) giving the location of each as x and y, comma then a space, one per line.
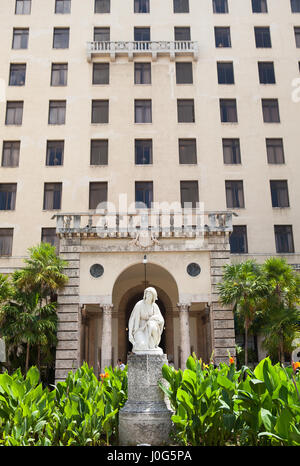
243, 286
5, 288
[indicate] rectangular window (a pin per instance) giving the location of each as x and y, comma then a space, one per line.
98, 195
185, 111
8, 192
187, 151
20, 38
143, 151
17, 74
142, 73
231, 151
295, 6
102, 34
234, 194
102, 6
222, 37
61, 38
228, 111
14, 113
181, 6
266, 72
99, 152
49, 236
143, 194
142, 34
52, 196
142, 111
275, 152
100, 73
23, 7
184, 73
225, 73
10, 153
55, 153
182, 33
100, 111
279, 193
57, 112
238, 240
262, 37
259, 6
284, 238
142, 6
59, 74
189, 194
63, 6
6, 241
220, 6
270, 110
297, 36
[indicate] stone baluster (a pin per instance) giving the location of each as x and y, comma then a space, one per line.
106, 343
184, 324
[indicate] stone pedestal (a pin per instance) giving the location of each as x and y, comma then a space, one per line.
145, 417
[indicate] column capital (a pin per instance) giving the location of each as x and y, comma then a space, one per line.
107, 308
184, 307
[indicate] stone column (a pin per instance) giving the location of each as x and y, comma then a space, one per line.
106, 342
184, 323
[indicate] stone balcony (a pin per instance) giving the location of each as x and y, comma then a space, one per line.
134, 48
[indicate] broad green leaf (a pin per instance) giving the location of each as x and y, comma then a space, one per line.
258, 386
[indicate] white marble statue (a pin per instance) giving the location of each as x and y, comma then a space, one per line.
146, 324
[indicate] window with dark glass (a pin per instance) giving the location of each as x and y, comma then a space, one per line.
220, 6
142, 34
142, 73
262, 37
59, 74
184, 73
222, 37
234, 194
57, 112
143, 151
61, 38
10, 153
182, 33
284, 238
225, 73
231, 151
100, 73
270, 111
275, 151
266, 72
297, 36
99, 151
17, 74
20, 38
238, 240
102, 34
142, 111
8, 192
295, 6
49, 236
97, 194
185, 111
100, 111
102, 6
259, 6
279, 193
55, 153
14, 113
187, 151
23, 7
181, 6
189, 194
142, 6
52, 196
63, 6
228, 111
6, 241
143, 194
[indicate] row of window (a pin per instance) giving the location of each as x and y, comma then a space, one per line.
142, 111
61, 36
142, 73
189, 194
143, 152
238, 239
23, 7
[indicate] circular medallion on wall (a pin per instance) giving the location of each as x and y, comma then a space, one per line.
96, 270
193, 269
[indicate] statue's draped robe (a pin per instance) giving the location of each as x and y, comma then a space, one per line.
145, 328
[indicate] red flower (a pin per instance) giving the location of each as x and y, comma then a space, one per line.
231, 360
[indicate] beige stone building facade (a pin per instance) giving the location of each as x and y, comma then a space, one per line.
174, 103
